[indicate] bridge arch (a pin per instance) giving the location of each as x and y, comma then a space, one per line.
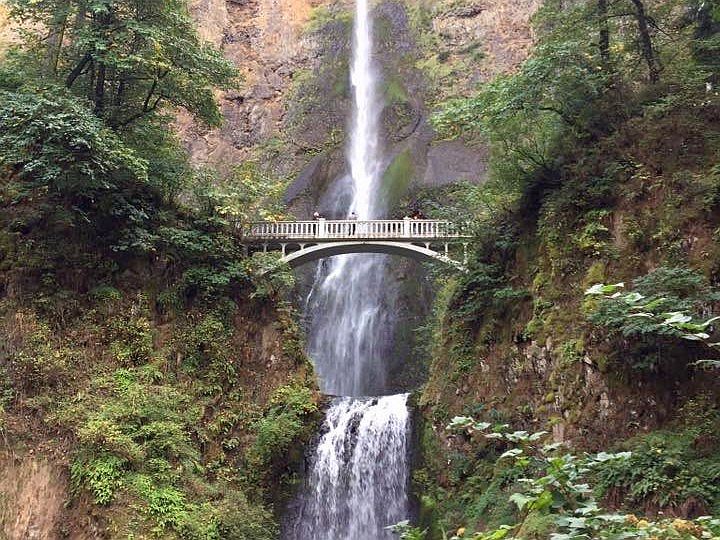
403, 249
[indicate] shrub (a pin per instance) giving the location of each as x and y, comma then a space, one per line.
666, 470
38, 362
656, 316
132, 343
102, 476
283, 424
239, 519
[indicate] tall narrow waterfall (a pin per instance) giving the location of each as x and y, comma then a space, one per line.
351, 328
357, 484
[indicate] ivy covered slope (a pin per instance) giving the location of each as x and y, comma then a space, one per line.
605, 170
146, 364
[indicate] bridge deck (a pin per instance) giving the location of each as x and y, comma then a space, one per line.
322, 230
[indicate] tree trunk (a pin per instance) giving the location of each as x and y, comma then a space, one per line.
99, 97
604, 32
55, 42
101, 22
646, 45
77, 70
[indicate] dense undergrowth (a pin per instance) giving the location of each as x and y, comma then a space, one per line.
170, 421
604, 169
142, 349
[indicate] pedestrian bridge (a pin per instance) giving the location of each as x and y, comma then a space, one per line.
301, 242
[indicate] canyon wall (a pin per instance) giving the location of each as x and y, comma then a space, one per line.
290, 110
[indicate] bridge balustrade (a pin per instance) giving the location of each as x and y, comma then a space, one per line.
341, 229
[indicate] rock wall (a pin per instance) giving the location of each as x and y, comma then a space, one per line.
266, 40
428, 51
290, 111
34, 502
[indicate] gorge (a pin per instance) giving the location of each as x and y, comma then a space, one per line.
164, 377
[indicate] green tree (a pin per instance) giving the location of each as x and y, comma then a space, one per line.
52, 144
128, 57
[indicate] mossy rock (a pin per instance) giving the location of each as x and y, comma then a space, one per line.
537, 526
397, 178
395, 92
595, 274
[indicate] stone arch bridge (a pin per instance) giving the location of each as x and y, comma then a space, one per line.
302, 242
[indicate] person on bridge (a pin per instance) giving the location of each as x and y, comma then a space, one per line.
353, 226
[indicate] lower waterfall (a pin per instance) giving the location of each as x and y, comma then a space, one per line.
357, 483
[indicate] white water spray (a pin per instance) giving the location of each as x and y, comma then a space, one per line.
358, 480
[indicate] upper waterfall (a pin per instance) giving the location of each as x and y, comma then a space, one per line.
365, 151
351, 303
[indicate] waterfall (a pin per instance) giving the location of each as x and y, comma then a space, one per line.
351, 329
357, 484
365, 154
359, 475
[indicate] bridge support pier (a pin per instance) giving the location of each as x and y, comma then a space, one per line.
465, 254
265, 246
447, 249
283, 248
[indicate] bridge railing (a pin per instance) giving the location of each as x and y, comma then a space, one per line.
323, 229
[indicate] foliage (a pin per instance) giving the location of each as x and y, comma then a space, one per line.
581, 83
238, 519
484, 289
623, 310
102, 476
75, 174
665, 471
664, 309
169, 441
675, 469
51, 142
558, 484
270, 278
583, 170
282, 425
128, 57
132, 340
36, 362
248, 194
406, 532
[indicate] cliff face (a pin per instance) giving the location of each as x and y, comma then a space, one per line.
291, 110
74, 399
266, 40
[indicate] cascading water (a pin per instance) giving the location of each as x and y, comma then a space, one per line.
358, 477
350, 331
358, 481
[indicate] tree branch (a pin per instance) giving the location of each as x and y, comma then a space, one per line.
78, 69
